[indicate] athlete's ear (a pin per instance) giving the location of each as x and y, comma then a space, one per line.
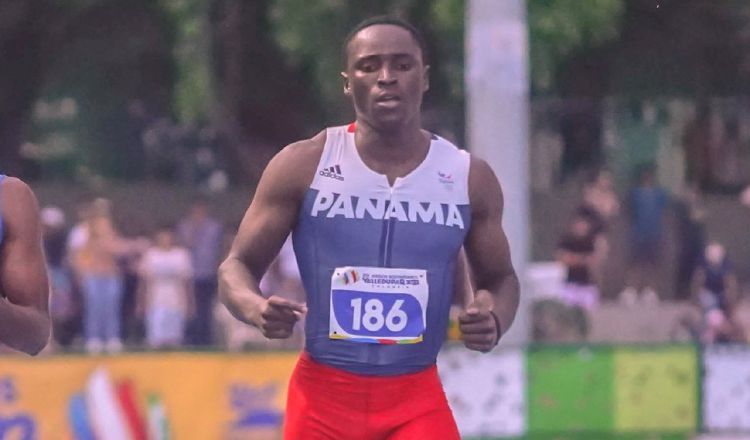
347, 89
426, 78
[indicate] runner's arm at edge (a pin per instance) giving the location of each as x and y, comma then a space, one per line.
24, 286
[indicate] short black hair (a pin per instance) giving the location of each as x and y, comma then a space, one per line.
385, 19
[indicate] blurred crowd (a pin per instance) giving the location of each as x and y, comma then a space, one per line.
111, 292
637, 247
704, 277
160, 291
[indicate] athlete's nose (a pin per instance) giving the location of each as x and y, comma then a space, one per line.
386, 76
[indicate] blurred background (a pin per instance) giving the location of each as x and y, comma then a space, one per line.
147, 123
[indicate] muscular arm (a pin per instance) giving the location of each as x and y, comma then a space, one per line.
24, 287
269, 219
488, 252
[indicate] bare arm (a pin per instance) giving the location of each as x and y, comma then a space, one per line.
24, 317
269, 219
488, 254
570, 258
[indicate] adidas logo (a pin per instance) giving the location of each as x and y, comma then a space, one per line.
333, 172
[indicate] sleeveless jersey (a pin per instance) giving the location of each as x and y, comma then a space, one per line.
353, 225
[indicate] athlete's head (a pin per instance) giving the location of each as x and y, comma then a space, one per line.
385, 72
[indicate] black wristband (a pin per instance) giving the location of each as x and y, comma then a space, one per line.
498, 327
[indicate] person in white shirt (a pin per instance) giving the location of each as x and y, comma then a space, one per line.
166, 297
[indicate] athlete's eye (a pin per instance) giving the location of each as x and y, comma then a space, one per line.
368, 66
403, 66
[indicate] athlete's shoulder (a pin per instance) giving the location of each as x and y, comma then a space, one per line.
14, 184
484, 186
303, 152
16, 192
449, 151
18, 204
292, 169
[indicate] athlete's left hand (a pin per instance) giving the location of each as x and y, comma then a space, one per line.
478, 326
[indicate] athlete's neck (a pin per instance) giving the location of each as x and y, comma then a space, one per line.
408, 145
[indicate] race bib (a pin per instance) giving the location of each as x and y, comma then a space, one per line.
378, 305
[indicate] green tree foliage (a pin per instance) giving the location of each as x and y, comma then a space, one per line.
558, 28
267, 71
114, 59
193, 88
312, 33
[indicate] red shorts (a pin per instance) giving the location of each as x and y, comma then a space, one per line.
327, 403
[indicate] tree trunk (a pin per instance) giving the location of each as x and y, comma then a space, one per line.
263, 104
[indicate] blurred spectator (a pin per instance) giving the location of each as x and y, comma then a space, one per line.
580, 128
164, 149
79, 232
600, 205
202, 235
690, 236
166, 290
697, 140
131, 328
726, 173
716, 291
63, 307
640, 127
576, 252
96, 266
647, 205
600, 200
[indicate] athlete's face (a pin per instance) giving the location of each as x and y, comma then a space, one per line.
385, 76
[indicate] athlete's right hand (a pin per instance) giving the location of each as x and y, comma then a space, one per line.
277, 317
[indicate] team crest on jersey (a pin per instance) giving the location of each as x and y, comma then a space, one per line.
445, 177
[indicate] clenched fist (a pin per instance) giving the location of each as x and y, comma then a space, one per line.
479, 325
277, 316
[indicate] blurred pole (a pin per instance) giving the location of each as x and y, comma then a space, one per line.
497, 84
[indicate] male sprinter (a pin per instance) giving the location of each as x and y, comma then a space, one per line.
379, 210
24, 287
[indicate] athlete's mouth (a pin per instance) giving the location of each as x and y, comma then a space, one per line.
387, 97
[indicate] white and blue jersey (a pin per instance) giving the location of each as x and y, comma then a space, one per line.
378, 261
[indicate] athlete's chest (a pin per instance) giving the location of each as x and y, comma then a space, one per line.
352, 208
